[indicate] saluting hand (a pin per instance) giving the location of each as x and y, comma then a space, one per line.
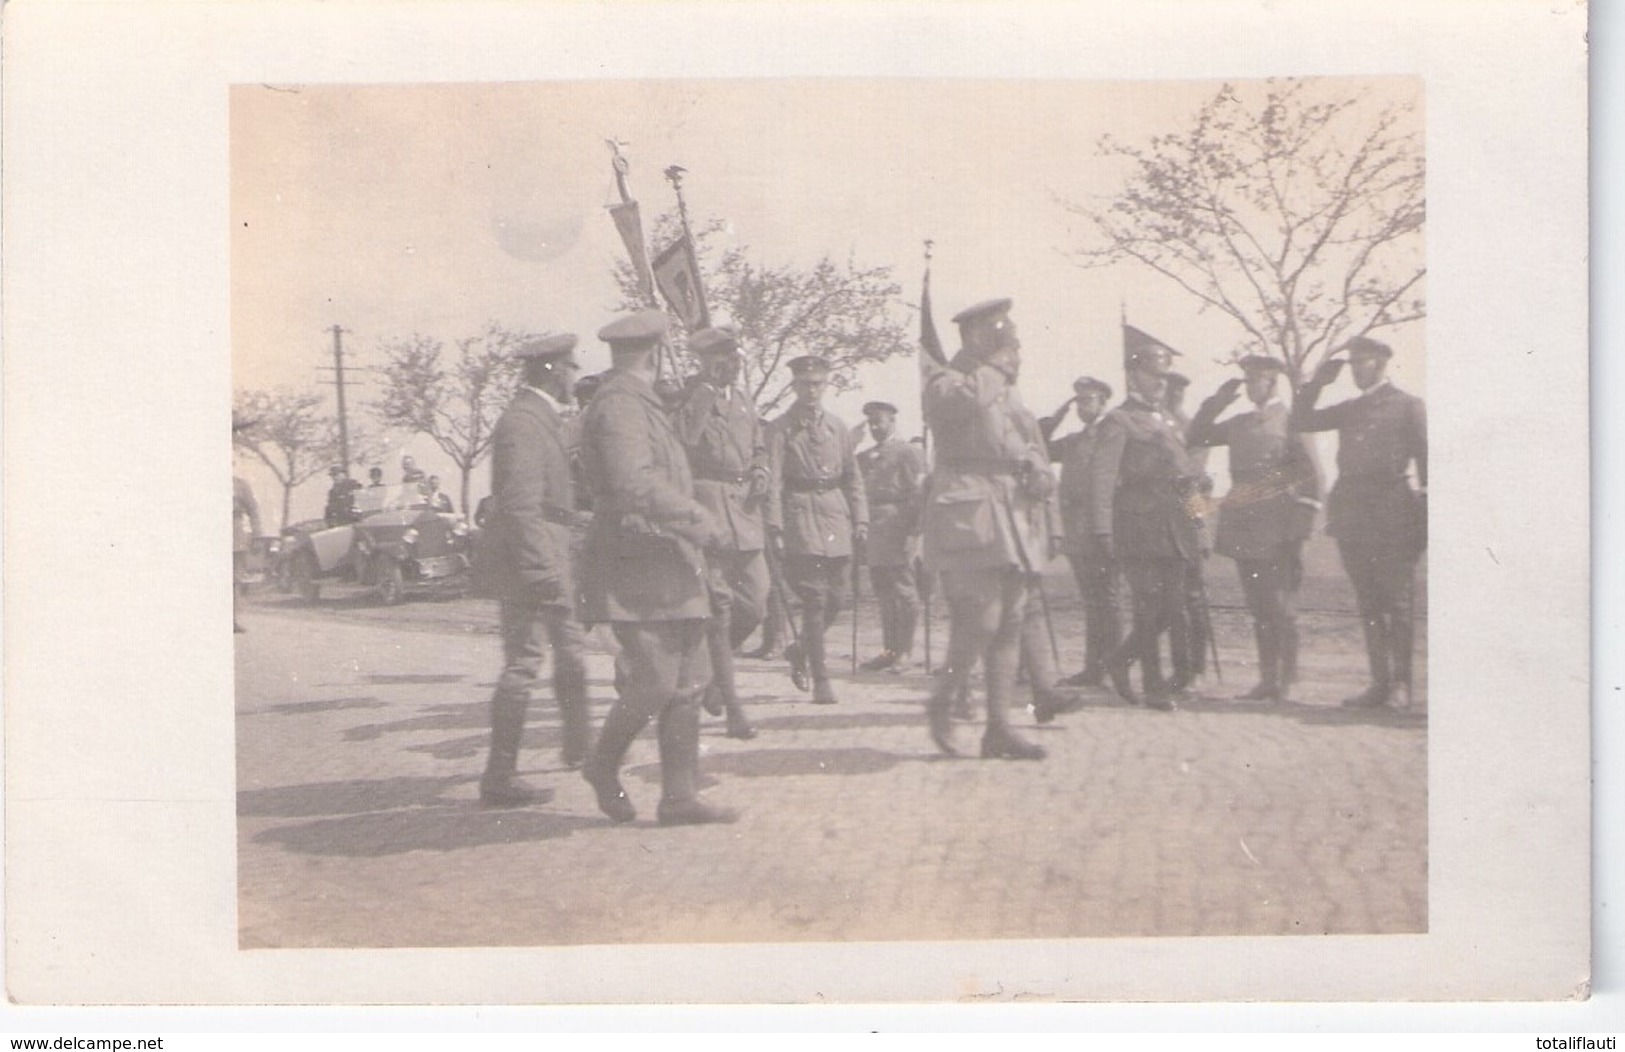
1327, 372
1229, 390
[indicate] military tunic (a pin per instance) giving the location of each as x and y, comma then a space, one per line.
1379, 521
1094, 571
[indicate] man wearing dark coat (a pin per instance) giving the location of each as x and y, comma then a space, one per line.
1145, 494
523, 561
1269, 512
818, 513
1379, 520
727, 450
646, 576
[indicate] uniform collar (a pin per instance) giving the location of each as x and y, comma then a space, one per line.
552, 403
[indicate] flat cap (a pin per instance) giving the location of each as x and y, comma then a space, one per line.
987, 309
877, 408
556, 345
635, 330
1253, 363
1364, 347
718, 339
809, 365
1089, 383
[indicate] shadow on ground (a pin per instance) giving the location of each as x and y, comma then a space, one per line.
441, 827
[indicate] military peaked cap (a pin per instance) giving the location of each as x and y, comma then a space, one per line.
719, 339
544, 347
1261, 363
877, 408
1089, 383
809, 365
635, 332
1363, 347
986, 310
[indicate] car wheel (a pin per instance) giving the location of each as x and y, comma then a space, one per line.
303, 574
386, 576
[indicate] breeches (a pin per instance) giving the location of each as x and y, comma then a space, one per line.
1269, 587
527, 630
988, 618
818, 582
739, 587
660, 662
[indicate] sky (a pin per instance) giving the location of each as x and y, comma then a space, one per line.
395, 209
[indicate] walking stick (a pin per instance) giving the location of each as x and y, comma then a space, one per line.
923, 576
1049, 622
857, 589
775, 586
1207, 622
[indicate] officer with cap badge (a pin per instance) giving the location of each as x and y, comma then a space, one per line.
1275, 488
987, 528
817, 515
1143, 490
646, 576
1095, 571
727, 451
893, 480
1379, 520
523, 560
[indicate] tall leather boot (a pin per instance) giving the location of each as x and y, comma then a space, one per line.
1269, 657
603, 767
1379, 658
772, 626
999, 741
908, 617
1289, 655
812, 640
939, 708
575, 716
680, 804
498, 786
722, 680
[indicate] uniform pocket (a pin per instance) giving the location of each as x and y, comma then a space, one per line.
962, 521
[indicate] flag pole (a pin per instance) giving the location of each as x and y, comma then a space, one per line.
926, 325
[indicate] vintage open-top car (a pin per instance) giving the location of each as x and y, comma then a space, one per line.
396, 542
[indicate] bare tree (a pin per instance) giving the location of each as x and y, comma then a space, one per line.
844, 312
454, 398
1295, 211
294, 435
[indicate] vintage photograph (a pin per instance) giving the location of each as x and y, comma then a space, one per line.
829, 510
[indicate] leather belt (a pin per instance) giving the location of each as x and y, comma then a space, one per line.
557, 515
986, 466
811, 485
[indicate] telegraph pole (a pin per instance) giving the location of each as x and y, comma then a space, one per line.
338, 382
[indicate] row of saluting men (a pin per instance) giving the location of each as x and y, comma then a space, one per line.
701, 513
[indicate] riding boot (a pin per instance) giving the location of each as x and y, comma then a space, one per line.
812, 639
679, 768
1288, 656
498, 786
575, 716
603, 767
1269, 683
999, 742
939, 711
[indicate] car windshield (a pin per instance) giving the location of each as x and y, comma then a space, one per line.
389, 498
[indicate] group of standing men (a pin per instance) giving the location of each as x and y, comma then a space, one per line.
700, 512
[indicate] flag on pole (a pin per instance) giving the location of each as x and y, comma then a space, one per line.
629, 222
930, 343
1139, 343
678, 276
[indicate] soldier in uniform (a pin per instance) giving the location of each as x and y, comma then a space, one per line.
817, 513
646, 576
1095, 572
1379, 521
1143, 488
1192, 662
727, 452
893, 478
1268, 513
523, 561
986, 522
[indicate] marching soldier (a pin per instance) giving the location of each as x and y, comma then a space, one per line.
893, 474
523, 560
1096, 573
1143, 489
986, 521
1379, 521
646, 576
817, 512
727, 452
1268, 513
